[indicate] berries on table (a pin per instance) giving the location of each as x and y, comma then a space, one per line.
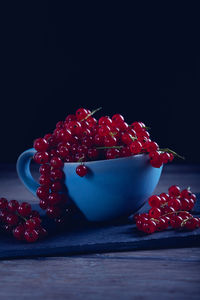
21, 221
166, 210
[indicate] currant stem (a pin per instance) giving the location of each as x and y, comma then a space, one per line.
81, 159
21, 216
92, 113
185, 221
133, 138
171, 151
170, 213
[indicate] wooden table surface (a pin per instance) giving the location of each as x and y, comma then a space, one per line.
161, 274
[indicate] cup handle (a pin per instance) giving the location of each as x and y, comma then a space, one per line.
23, 170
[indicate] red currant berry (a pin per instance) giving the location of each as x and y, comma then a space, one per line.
42, 192
87, 141
56, 174
184, 214
137, 126
156, 162
53, 153
44, 204
193, 197
155, 212
98, 140
70, 118
12, 220
165, 197
112, 153
165, 157
162, 224
82, 149
41, 157
125, 152
174, 191
192, 224
45, 180
186, 193
75, 127
31, 236
171, 157
151, 146
24, 209
59, 124
3, 203
81, 170
110, 141
63, 151
81, 114
33, 223
117, 119
105, 121
176, 221
40, 145
45, 169
168, 210
65, 135
91, 122
139, 224
127, 138
47, 137
13, 206
185, 204
149, 226
18, 232
175, 203
56, 162
104, 130
154, 201
93, 153
144, 216
135, 147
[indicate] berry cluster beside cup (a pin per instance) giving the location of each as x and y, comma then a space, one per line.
21, 221
80, 138
172, 209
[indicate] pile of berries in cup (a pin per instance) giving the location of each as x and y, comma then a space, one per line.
21, 221
80, 138
169, 210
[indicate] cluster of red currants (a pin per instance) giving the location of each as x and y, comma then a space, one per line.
172, 209
20, 220
81, 137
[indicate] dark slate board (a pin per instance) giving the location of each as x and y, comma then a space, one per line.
84, 237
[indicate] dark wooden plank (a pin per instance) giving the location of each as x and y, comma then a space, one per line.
111, 276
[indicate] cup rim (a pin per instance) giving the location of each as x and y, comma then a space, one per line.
136, 156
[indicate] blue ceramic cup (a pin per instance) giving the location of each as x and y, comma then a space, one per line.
111, 189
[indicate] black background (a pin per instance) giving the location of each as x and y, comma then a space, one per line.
140, 61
